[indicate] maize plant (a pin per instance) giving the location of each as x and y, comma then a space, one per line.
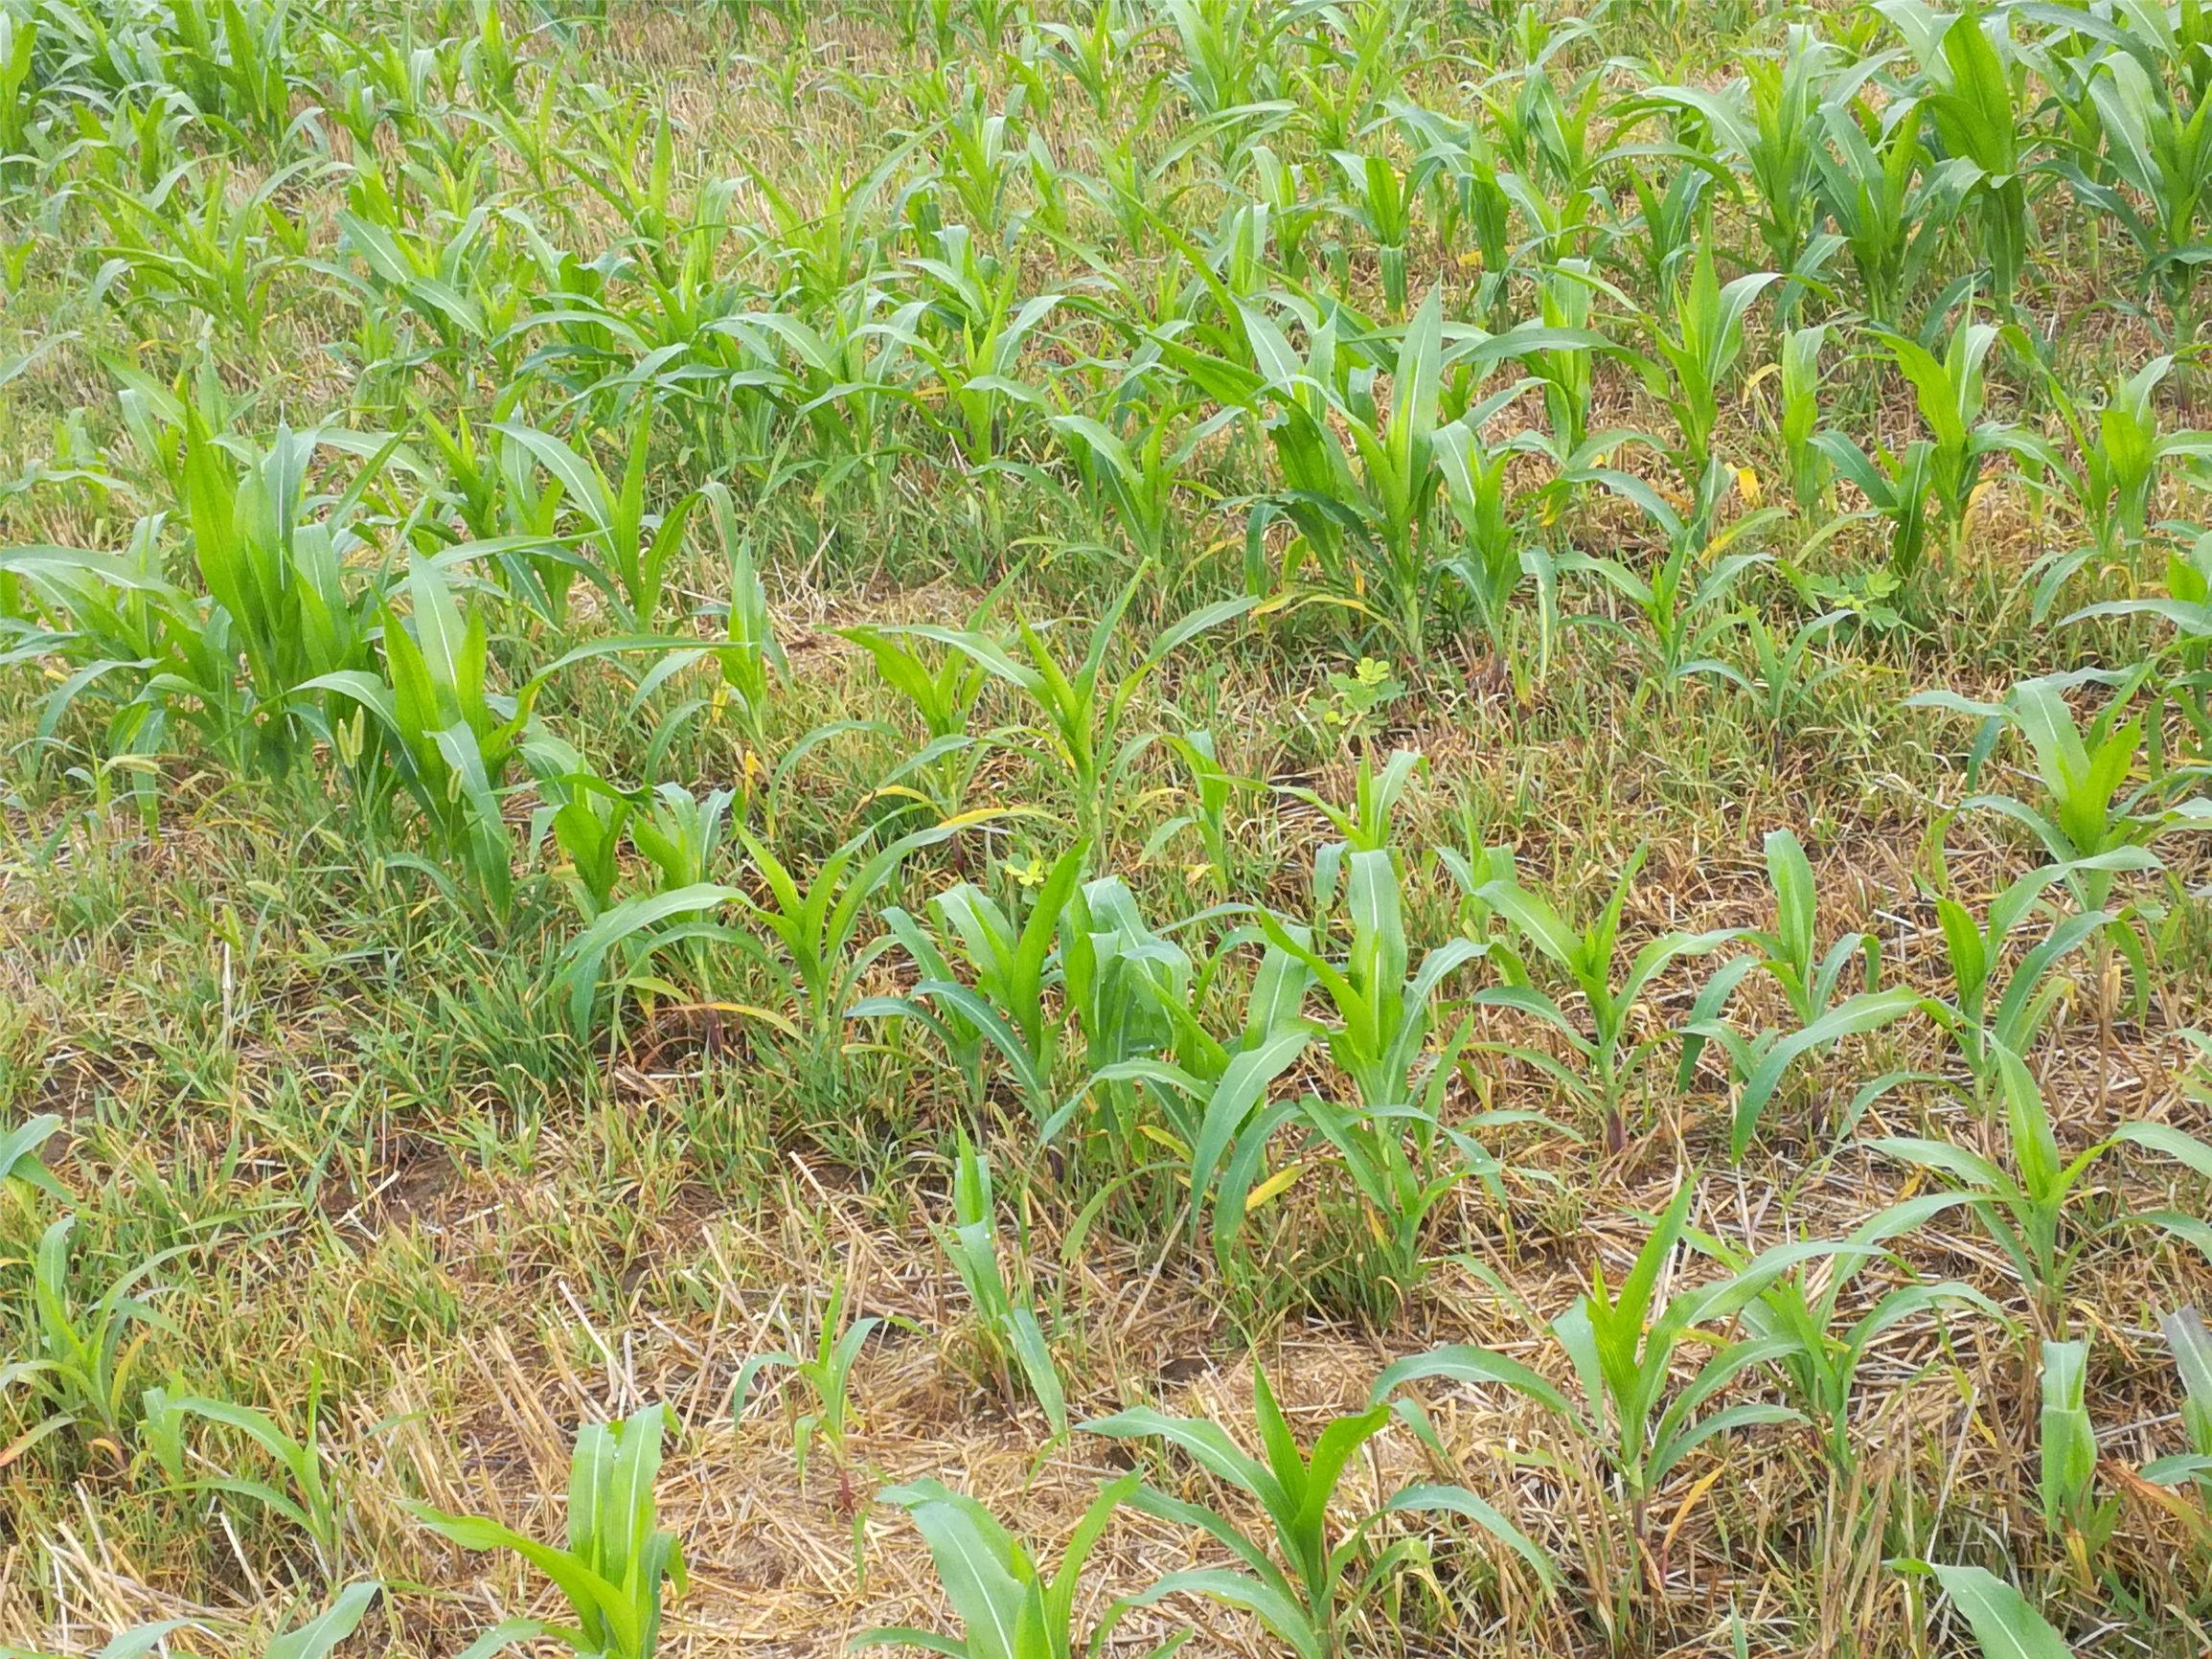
2025, 1195
1009, 1607
1307, 1590
1605, 1061
617, 1561
1623, 1347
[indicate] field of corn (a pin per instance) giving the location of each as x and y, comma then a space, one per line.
1020, 827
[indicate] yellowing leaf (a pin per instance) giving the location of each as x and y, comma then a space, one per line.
1274, 1186
1153, 1132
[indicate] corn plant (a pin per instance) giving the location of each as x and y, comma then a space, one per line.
1307, 1590
632, 546
2122, 454
1699, 354
1797, 369
1972, 97
2186, 608
453, 739
1381, 201
1783, 672
2004, 1622
971, 332
1789, 954
826, 1375
1138, 473
943, 695
1821, 1366
2157, 154
804, 933
617, 1563
2090, 807
1011, 964
1623, 1345
2027, 1200
1007, 1606
316, 1638
1607, 1061
20, 1163
751, 659
1208, 788
2191, 1346
1006, 1326
1081, 708
1682, 597
2067, 1453
1949, 392
1499, 554
311, 1501
1890, 199
1770, 121
1215, 1089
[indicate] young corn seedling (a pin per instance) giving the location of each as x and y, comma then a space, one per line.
1769, 121
826, 1375
2191, 1345
1700, 354
1784, 672
1821, 1367
2067, 1446
2028, 1199
2121, 454
1381, 1002
1008, 1608
1682, 597
1973, 98
316, 1638
972, 342
1138, 474
1380, 201
452, 737
806, 933
2005, 1625
751, 659
1624, 1345
634, 544
1081, 708
1208, 787
20, 1164
1608, 1062
1789, 954
2157, 154
311, 1501
1982, 1014
618, 1561
1891, 202
1309, 1589
1798, 371
1010, 967
1007, 1331
2093, 819
1501, 556
2088, 810
1126, 986
1949, 392
943, 694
